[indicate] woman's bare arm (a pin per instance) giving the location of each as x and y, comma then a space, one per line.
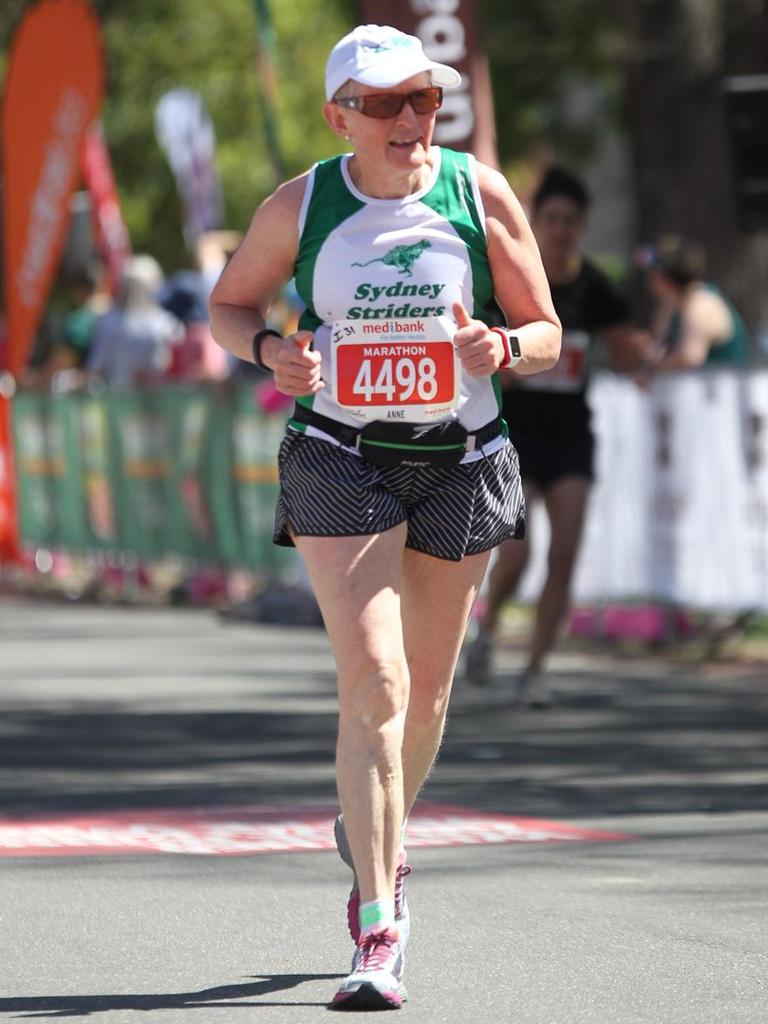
519, 280
262, 264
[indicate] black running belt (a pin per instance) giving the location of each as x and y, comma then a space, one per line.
350, 435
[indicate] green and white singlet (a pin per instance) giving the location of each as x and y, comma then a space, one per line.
370, 259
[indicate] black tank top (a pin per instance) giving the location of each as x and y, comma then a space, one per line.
554, 403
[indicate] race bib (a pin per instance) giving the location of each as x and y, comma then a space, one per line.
395, 370
569, 373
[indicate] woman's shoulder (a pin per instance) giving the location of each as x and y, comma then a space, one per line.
498, 198
705, 308
704, 297
494, 187
490, 177
289, 196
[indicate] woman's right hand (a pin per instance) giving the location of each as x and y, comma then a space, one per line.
295, 366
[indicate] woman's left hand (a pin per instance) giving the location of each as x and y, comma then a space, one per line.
480, 349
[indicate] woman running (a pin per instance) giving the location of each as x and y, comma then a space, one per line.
397, 478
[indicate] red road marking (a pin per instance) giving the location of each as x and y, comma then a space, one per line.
247, 830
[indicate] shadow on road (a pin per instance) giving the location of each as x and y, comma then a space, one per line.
65, 759
617, 743
221, 996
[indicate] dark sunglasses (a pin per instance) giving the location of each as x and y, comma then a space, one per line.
389, 104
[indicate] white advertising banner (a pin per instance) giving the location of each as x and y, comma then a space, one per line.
754, 424
679, 510
185, 132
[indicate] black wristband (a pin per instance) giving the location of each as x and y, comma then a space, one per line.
258, 337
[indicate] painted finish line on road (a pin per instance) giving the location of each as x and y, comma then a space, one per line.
248, 830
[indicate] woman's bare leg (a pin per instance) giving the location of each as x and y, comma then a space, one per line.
566, 503
357, 582
437, 597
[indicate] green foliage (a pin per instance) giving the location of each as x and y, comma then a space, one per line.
153, 47
306, 31
539, 51
536, 48
10, 16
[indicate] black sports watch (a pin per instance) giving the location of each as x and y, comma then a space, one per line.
258, 337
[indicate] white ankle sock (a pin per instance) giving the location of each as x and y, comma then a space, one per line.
376, 915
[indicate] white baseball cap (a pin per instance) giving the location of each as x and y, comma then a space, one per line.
381, 56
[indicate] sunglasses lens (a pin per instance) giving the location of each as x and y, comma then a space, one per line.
389, 104
425, 101
386, 104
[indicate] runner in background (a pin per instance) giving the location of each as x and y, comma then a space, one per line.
694, 324
394, 510
549, 425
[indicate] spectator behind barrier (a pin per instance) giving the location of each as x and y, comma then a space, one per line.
197, 357
694, 324
132, 344
87, 303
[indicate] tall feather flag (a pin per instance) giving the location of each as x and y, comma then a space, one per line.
185, 132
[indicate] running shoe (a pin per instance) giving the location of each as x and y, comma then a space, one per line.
532, 690
478, 659
376, 979
402, 915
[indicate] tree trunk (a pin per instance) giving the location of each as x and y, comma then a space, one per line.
678, 53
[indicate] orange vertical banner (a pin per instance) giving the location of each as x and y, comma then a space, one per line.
8, 524
52, 93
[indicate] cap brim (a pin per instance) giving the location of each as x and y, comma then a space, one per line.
386, 77
445, 76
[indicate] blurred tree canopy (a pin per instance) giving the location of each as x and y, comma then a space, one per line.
536, 52
677, 57
535, 48
153, 47
658, 64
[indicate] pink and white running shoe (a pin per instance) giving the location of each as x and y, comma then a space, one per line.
376, 979
402, 915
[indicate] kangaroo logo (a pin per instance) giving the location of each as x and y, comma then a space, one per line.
402, 257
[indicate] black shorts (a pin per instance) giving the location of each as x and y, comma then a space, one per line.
326, 491
545, 460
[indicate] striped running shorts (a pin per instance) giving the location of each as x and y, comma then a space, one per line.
327, 491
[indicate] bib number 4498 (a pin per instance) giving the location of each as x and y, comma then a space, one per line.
395, 370
397, 381
395, 374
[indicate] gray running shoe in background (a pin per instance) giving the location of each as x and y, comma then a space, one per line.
478, 659
532, 690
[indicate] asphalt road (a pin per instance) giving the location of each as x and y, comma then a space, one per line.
108, 710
